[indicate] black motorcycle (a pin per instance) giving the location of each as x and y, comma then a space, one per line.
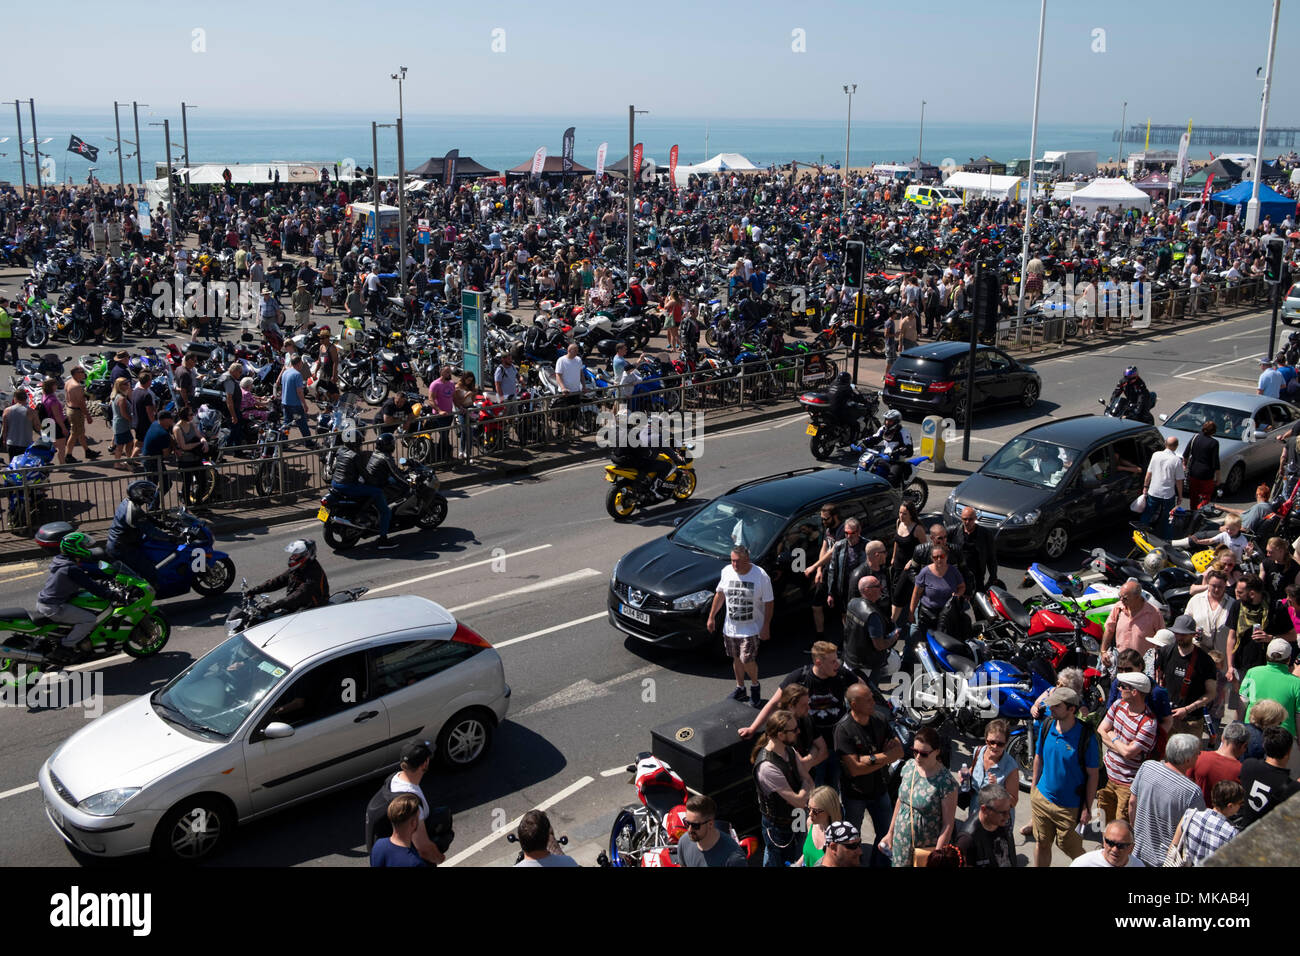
348, 520
829, 436
254, 609
393, 372
1119, 406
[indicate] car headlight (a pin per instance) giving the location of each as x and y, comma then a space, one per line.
1028, 517
613, 576
109, 802
692, 601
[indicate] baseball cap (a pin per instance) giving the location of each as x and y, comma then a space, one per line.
416, 752
1265, 360
1139, 681
1279, 649
1183, 624
1062, 695
842, 832
1162, 638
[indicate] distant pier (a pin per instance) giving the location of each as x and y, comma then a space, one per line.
1276, 136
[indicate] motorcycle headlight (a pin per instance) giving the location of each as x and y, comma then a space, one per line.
1025, 518
107, 803
692, 601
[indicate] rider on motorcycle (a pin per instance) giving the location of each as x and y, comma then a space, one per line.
1134, 389
347, 479
645, 455
382, 471
895, 442
636, 297
71, 572
304, 582
132, 525
843, 404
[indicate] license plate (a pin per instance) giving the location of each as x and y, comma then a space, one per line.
810, 430
910, 388
323, 514
634, 614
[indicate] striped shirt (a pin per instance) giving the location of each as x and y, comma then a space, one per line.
1161, 795
1128, 727
1204, 831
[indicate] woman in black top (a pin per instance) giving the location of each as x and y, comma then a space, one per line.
1201, 460
908, 533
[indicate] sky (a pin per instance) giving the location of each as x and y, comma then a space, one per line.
971, 61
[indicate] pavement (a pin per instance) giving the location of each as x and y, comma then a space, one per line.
584, 696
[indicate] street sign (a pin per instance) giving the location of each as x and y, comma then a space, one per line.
471, 314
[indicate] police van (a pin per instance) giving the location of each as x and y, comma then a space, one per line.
931, 197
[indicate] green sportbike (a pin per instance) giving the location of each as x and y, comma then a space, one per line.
129, 623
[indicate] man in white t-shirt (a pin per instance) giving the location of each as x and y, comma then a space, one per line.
1116, 848
1163, 486
415, 759
568, 374
746, 591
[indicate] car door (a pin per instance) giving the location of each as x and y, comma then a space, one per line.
338, 732
985, 381
1007, 380
1129, 460
796, 549
1260, 451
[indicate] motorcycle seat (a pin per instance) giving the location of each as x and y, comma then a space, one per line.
1015, 610
8, 612
1062, 581
950, 644
660, 800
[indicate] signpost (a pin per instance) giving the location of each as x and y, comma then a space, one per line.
471, 314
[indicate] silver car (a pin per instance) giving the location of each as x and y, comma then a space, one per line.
283, 712
1291, 306
1245, 426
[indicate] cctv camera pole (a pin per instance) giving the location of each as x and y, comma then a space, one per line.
139, 147
22, 157
1033, 148
631, 219
976, 320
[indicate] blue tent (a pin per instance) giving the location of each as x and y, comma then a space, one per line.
1271, 202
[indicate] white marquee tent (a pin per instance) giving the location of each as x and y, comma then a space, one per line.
983, 185
720, 163
1114, 193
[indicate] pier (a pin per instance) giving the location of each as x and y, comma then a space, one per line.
1276, 136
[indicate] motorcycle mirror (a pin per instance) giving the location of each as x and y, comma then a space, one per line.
401, 462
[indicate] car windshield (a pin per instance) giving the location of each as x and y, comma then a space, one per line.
722, 524
1030, 461
1228, 422
216, 693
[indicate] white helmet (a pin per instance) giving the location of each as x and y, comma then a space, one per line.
1154, 561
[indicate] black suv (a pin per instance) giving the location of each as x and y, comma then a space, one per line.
661, 591
1056, 480
931, 380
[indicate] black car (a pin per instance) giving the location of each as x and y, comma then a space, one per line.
661, 591
931, 380
1059, 480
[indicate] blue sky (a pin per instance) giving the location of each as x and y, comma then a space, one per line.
969, 60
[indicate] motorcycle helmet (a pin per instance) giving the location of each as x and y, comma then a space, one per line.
76, 544
893, 417
675, 822
843, 378
1131, 372
1154, 561
300, 552
386, 443
208, 419
142, 493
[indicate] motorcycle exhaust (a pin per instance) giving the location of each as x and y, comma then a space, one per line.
348, 524
22, 656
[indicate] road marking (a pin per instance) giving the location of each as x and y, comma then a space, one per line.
91, 665
530, 588
17, 790
613, 771
1199, 371
20, 577
19, 566
1235, 335
513, 824
550, 630
583, 690
460, 567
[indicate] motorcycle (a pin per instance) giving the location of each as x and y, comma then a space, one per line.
348, 520
640, 835
254, 609
392, 372
828, 435
1120, 407
25, 488
911, 485
128, 623
635, 488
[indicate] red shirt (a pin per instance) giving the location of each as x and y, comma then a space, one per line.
1211, 767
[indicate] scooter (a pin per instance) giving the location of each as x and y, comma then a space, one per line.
254, 609
910, 484
348, 520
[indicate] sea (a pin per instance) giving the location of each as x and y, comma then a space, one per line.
506, 141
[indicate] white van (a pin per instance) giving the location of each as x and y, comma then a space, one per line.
931, 197
887, 173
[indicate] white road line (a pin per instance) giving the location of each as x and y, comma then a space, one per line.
18, 566
17, 790
1235, 335
510, 827
613, 771
550, 630
19, 577
92, 665
530, 588
1199, 371
459, 567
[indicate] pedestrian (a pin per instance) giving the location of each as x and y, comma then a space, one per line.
399, 850
537, 840
672, 312
991, 763
706, 844
1064, 781
8, 341
1187, 672
936, 584
1270, 379
810, 745
1116, 849
926, 810
301, 303
823, 809
293, 398
832, 532
869, 635
187, 380
1267, 782
973, 547
1162, 487
1129, 730
145, 408
985, 839
843, 558
123, 421
1201, 462
1132, 623
414, 764
1161, 792
464, 399
1214, 766
19, 425
1274, 680
782, 786
1202, 832
52, 411
74, 389
746, 591
843, 846
865, 747
1258, 622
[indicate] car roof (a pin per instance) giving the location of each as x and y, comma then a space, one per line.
1081, 431
940, 350
793, 492
1239, 400
300, 637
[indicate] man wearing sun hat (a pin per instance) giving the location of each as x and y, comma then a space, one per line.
1064, 779
1274, 680
1187, 671
1270, 379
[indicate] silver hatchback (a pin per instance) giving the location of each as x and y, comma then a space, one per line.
286, 711
1244, 426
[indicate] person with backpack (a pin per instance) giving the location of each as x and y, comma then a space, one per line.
1065, 774
1130, 731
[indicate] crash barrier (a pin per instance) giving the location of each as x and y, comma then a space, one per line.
1047, 330
286, 471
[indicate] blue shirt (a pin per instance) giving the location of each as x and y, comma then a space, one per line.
1062, 776
290, 382
1271, 382
156, 440
386, 853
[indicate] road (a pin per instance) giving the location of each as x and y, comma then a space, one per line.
525, 562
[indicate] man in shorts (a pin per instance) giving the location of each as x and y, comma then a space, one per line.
746, 590
75, 390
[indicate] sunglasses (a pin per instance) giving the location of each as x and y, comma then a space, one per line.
1117, 844
698, 824
922, 753
850, 846
995, 743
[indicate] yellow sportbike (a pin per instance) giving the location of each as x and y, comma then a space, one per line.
635, 486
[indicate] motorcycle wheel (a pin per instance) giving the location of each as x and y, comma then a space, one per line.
711, 337
201, 486
148, 327
623, 838
434, 516
685, 484
419, 448
1019, 749
114, 332
268, 479
918, 493
823, 444
149, 636
376, 392
37, 336
76, 334
216, 579
621, 501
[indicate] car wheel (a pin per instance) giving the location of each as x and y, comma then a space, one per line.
465, 739
1029, 397
1057, 541
1236, 478
194, 830
959, 409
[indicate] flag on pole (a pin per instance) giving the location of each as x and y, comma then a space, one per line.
672, 165
1183, 142
635, 169
78, 145
1205, 194
449, 167
566, 151
539, 160
600, 160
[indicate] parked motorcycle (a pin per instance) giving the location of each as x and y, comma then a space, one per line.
24, 480
348, 520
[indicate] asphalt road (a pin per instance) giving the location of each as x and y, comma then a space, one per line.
584, 697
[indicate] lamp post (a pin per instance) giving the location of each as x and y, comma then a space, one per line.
1033, 150
1123, 119
1252, 207
139, 149
22, 157
401, 176
631, 183
920, 142
848, 127
374, 133
171, 201
36, 146
185, 139
117, 125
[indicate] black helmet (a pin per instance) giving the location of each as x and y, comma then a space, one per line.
142, 493
386, 443
843, 378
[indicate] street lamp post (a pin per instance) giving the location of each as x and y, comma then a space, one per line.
920, 142
171, 200
631, 184
139, 147
401, 176
1123, 119
1033, 151
22, 157
36, 146
185, 139
117, 125
1252, 207
848, 128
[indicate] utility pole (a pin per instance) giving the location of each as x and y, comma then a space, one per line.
185, 139
139, 147
22, 157
36, 146
920, 142
1033, 149
1122, 121
117, 125
401, 176
171, 200
631, 183
848, 128
1252, 207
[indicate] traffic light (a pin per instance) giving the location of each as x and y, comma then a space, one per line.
854, 261
1273, 258
988, 292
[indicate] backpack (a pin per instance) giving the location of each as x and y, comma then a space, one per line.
1085, 736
